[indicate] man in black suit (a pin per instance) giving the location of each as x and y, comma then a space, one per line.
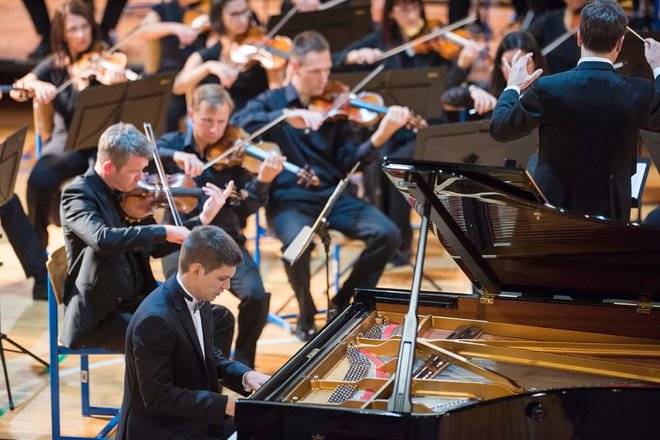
589, 117
172, 371
108, 258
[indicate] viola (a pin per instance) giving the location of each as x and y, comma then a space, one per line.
149, 194
255, 46
364, 109
250, 156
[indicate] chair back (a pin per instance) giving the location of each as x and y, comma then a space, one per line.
57, 267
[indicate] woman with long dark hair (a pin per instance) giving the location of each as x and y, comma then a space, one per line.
231, 20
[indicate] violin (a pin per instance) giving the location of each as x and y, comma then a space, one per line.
105, 66
448, 45
197, 16
250, 156
149, 194
255, 46
364, 109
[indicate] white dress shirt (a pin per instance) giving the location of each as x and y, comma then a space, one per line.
194, 314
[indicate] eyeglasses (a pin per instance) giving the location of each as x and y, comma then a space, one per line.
75, 29
239, 14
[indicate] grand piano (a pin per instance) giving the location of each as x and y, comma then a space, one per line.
561, 339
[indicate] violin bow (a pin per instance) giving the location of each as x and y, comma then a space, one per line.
559, 40
331, 4
246, 141
424, 38
161, 174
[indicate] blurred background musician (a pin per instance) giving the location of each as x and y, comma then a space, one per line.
401, 21
180, 27
232, 20
330, 149
75, 35
108, 258
39, 15
211, 107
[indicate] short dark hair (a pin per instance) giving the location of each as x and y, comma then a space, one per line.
214, 94
308, 41
211, 247
602, 24
121, 141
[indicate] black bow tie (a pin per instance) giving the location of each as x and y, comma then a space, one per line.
196, 304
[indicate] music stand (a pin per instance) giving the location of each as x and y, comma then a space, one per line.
302, 241
342, 25
132, 102
471, 143
11, 151
632, 56
418, 89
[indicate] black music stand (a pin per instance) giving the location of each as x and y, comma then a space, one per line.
418, 89
471, 143
132, 102
304, 238
632, 56
342, 25
11, 151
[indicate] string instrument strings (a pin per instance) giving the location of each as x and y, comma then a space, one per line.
439, 32
161, 174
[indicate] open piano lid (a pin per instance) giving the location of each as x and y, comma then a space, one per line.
499, 229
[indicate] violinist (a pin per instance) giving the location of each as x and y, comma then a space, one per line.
482, 97
211, 107
74, 34
180, 27
109, 272
556, 24
330, 149
233, 21
401, 21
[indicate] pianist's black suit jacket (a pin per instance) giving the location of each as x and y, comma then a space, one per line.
589, 120
170, 389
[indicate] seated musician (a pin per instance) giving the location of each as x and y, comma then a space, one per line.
108, 258
482, 97
555, 24
589, 118
172, 370
232, 21
75, 34
401, 21
178, 39
330, 149
211, 108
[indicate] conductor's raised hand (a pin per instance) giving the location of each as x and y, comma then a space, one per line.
216, 200
518, 72
652, 52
